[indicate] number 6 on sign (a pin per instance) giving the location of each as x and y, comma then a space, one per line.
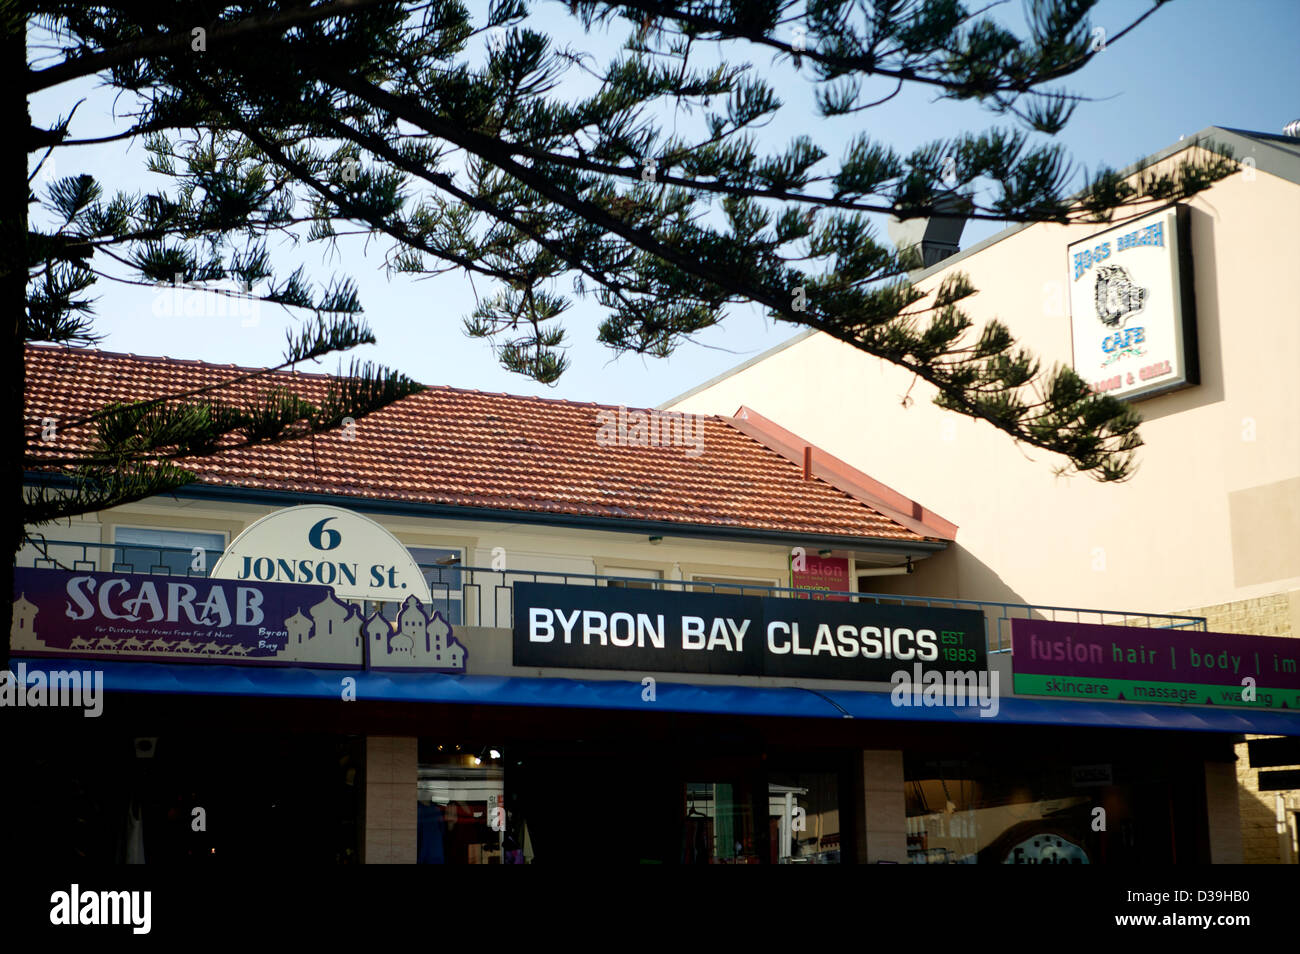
322, 538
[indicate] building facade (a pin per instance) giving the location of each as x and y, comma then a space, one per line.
491, 629
1209, 525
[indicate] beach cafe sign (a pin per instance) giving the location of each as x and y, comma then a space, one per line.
1132, 307
327, 546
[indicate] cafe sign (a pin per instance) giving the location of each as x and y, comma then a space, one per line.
326, 546
1132, 307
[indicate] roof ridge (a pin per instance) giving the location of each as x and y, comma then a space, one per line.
165, 359
195, 362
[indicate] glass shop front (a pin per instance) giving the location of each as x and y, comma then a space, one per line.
635, 802
994, 808
285, 780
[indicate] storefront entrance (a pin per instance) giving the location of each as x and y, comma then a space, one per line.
660, 804
998, 808
199, 780
183, 797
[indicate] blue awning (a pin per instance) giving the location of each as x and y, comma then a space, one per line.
295, 683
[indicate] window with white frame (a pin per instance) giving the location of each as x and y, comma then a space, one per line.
724, 584
166, 552
640, 579
440, 567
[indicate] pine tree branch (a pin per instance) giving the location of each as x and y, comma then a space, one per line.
91, 63
847, 64
497, 154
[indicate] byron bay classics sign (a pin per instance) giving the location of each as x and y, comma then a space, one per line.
1132, 307
327, 546
591, 627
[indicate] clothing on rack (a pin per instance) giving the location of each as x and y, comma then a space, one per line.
134, 833
429, 834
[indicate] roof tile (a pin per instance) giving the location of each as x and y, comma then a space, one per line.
463, 448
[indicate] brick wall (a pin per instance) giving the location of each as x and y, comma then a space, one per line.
1258, 814
1262, 616
1275, 615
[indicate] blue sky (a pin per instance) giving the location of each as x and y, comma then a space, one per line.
1192, 64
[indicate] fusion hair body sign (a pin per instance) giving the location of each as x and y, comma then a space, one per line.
584, 627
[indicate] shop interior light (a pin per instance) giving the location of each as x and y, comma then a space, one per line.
494, 753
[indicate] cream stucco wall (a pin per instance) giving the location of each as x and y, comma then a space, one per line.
1213, 512
526, 547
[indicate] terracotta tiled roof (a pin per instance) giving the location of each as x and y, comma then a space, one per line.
471, 449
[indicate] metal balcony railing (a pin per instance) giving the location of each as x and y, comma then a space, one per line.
483, 596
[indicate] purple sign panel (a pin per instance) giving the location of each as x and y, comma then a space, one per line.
189, 619
1126, 663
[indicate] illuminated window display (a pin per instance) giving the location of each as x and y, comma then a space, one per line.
1000, 809
461, 813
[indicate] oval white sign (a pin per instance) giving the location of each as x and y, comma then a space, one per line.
326, 545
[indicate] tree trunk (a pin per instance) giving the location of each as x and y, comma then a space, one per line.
14, 117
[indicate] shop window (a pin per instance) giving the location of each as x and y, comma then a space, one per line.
644, 579
461, 813
441, 568
996, 810
170, 552
113, 797
719, 824
805, 817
